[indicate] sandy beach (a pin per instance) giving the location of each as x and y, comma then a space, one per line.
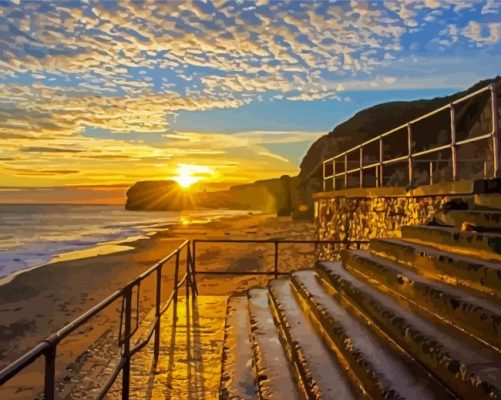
38, 302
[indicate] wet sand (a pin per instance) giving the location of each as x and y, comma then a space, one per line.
41, 301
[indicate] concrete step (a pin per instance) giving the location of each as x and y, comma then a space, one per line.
481, 219
490, 201
237, 378
473, 273
319, 373
471, 373
486, 245
273, 376
475, 315
383, 371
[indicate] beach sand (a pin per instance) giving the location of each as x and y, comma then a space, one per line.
41, 301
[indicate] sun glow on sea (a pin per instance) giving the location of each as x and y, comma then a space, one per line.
188, 174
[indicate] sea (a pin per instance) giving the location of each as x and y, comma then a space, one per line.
34, 235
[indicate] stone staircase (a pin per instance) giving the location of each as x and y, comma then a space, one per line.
411, 318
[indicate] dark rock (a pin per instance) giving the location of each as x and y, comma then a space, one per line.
158, 196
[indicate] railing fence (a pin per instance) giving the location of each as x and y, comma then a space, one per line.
339, 167
129, 321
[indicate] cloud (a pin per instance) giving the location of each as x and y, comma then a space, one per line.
130, 67
239, 156
47, 150
483, 34
272, 155
38, 172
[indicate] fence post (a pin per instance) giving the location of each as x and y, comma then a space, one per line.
176, 278
334, 174
50, 373
194, 260
276, 259
126, 349
453, 143
495, 132
346, 171
431, 173
323, 176
409, 146
189, 269
361, 165
156, 349
381, 159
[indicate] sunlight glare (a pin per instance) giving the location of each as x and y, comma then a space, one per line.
188, 174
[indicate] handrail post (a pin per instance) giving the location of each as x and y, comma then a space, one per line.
50, 373
187, 283
276, 259
431, 173
323, 176
346, 171
409, 146
126, 348
334, 174
176, 278
189, 270
194, 260
361, 166
156, 349
381, 160
453, 143
495, 133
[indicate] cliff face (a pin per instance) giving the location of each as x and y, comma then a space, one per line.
269, 196
376, 120
158, 196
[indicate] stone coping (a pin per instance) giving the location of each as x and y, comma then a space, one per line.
467, 187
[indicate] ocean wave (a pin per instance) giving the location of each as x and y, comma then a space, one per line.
34, 235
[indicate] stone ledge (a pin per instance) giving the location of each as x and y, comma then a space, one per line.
469, 187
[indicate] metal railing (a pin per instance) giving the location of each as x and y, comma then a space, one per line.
380, 162
48, 347
276, 242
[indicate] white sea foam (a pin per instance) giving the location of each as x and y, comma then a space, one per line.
32, 235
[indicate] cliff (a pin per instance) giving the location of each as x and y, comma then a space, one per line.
378, 119
158, 196
269, 196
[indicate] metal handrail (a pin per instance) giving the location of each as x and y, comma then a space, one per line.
48, 347
453, 144
276, 243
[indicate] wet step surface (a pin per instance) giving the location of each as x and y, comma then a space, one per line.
384, 373
322, 376
472, 373
480, 218
272, 370
486, 245
189, 365
237, 379
456, 269
473, 313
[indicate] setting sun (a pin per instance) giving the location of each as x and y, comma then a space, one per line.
188, 174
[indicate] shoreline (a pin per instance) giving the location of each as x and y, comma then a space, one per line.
123, 244
37, 303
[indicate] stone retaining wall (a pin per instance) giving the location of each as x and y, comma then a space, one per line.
367, 213
364, 214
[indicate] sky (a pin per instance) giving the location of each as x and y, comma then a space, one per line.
98, 93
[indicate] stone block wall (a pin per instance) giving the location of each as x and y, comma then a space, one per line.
364, 218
